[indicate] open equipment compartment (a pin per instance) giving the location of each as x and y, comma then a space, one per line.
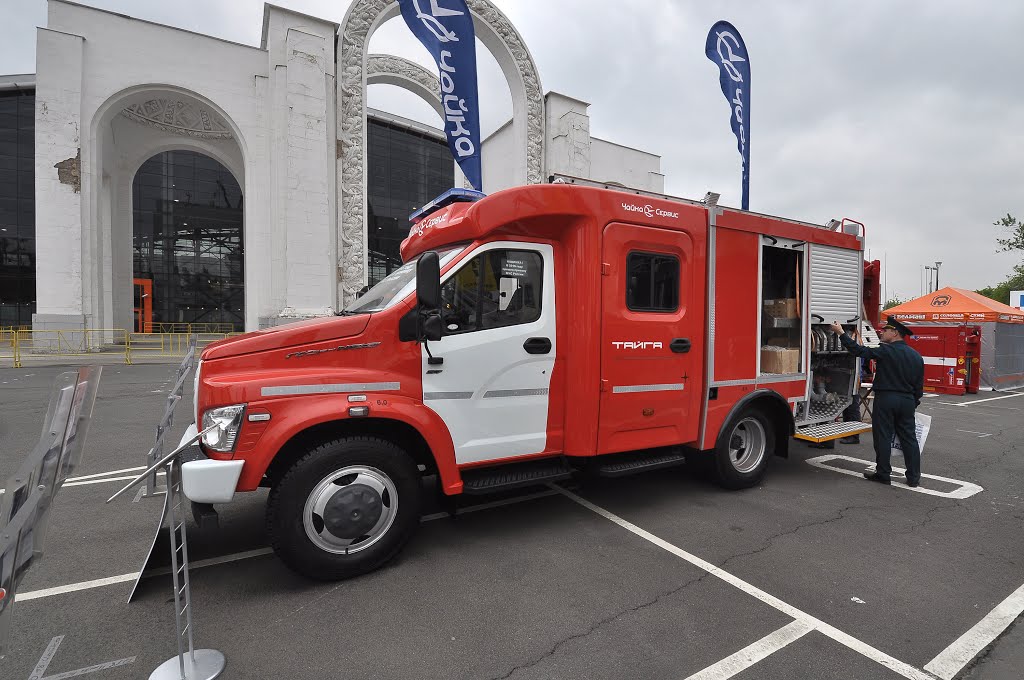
781, 308
834, 295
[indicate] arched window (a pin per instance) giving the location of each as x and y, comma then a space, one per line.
187, 238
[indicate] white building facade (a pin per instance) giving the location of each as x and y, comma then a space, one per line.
287, 119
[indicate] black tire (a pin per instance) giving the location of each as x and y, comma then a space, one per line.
369, 491
744, 447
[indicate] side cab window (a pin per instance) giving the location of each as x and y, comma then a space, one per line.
496, 288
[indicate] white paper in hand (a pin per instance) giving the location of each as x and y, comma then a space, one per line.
923, 425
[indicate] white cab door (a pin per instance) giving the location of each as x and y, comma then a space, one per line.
498, 311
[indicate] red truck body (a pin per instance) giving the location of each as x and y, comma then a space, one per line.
581, 325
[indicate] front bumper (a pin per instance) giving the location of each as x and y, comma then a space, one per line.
206, 480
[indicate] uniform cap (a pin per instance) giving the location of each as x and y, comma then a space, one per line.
898, 327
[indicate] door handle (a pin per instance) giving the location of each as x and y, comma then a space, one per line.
680, 345
537, 346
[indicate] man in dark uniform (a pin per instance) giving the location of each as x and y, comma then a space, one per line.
898, 387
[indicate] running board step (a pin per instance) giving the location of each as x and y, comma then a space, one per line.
632, 463
829, 431
515, 475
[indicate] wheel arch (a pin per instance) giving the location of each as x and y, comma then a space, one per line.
397, 432
774, 406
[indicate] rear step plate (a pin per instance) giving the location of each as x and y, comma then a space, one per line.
829, 431
632, 463
515, 475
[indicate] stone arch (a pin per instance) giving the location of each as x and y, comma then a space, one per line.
130, 127
386, 69
363, 18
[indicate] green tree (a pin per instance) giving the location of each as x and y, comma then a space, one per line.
1015, 242
895, 301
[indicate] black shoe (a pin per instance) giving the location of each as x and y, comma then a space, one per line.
831, 444
913, 485
875, 477
853, 439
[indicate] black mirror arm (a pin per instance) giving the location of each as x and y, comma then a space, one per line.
431, 359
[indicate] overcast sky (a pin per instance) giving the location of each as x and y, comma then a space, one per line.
908, 116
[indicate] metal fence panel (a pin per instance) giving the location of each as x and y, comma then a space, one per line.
28, 497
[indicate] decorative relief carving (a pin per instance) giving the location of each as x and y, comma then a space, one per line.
179, 117
355, 34
494, 18
353, 67
387, 64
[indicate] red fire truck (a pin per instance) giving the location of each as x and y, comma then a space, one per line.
532, 335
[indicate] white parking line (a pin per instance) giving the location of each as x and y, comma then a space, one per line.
107, 474
106, 479
965, 490
981, 435
72, 587
892, 663
99, 478
751, 654
235, 557
953, 658
981, 401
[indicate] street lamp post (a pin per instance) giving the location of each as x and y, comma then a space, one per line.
937, 265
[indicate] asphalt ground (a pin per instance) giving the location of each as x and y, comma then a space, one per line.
815, 573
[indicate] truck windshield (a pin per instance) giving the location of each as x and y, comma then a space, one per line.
395, 286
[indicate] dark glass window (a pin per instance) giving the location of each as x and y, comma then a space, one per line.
652, 282
405, 169
17, 208
496, 288
187, 236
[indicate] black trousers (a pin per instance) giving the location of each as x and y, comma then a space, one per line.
893, 413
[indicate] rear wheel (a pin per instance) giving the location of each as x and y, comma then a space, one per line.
744, 449
345, 508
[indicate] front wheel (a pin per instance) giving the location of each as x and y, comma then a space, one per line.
345, 508
744, 449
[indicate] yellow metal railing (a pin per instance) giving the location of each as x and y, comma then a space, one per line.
67, 343
188, 328
21, 345
166, 344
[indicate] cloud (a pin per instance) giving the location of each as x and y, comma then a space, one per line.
907, 116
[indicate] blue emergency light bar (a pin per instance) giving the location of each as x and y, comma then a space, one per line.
454, 195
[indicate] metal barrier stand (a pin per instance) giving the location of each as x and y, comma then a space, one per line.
157, 452
28, 496
190, 663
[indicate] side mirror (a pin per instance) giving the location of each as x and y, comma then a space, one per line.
428, 282
430, 326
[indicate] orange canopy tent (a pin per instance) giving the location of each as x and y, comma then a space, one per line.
955, 305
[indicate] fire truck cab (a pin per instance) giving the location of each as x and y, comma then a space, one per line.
532, 335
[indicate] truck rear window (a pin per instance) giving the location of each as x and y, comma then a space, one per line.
652, 282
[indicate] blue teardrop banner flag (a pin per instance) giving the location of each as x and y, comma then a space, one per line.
725, 47
445, 27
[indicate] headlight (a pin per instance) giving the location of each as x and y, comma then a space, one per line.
229, 421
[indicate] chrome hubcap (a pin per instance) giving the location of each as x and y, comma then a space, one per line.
350, 509
747, 445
